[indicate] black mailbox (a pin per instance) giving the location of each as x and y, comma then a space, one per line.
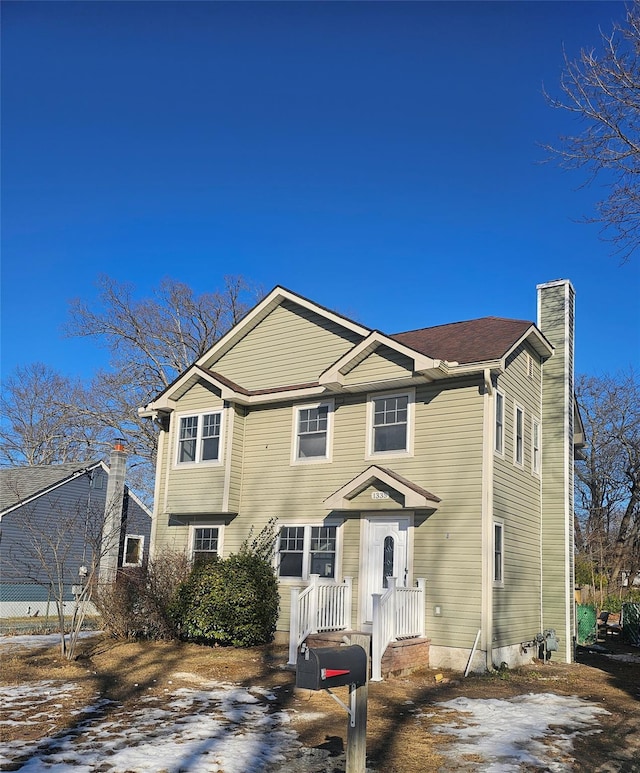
318, 669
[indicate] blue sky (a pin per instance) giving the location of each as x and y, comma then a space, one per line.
382, 159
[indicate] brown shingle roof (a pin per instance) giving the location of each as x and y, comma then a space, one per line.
476, 340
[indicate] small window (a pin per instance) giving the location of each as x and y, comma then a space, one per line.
498, 552
312, 432
535, 446
305, 550
199, 438
390, 424
133, 550
499, 428
205, 543
518, 448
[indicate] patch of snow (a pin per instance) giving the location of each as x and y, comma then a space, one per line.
28, 641
523, 730
629, 657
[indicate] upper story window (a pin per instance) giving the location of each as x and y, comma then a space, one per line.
518, 431
305, 550
499, 422
312, 432
199, 438
535, 446
390, 423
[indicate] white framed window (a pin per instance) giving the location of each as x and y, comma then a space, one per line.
305, 550
535, 446
518, 434
498, 553
312, 432
390, 424
205, 542
133, 550
199, 438
499, 423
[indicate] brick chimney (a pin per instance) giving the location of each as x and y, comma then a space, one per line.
112, 525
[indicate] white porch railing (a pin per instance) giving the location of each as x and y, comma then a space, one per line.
397, 614
321, 606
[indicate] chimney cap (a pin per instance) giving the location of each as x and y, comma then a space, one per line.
118, 444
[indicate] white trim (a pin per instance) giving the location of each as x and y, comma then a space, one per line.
410, 394
328, 454
341, 499
518, 409
199, 462
499, 451
226, 490
124, 551
536, 470
486, 572
215, 523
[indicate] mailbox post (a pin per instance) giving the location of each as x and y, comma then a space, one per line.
327, 667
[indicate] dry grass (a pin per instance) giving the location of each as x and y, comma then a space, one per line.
126, 672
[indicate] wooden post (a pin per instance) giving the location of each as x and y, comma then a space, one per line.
358, 696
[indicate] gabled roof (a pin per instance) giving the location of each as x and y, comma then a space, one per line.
476, 340
437, 352
21, 484
414, 496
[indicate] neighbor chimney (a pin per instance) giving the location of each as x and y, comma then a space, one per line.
112, 526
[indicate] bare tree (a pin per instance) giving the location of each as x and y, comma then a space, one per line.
602, 89
151, 341
62, 551
42, 419
608, 477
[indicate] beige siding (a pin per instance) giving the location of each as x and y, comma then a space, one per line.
307, 344
557, 463
516, 604
381, 365
197, 488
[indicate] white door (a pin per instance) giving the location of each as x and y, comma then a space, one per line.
384, 554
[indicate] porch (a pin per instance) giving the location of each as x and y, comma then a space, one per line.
321, 616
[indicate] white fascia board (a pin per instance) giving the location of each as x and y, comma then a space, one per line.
334, 375
340, 499
536, 339
262, 310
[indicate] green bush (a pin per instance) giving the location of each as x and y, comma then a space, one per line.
229, 602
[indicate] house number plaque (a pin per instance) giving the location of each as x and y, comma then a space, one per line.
379, 495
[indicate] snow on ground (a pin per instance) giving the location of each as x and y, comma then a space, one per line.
522, 731
211, 727
28, 640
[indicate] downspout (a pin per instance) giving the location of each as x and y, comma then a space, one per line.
487, 519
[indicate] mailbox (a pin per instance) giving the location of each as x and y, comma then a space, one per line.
325, 667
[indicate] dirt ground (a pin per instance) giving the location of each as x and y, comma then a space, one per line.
126, 672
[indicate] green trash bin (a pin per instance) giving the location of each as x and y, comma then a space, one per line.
587, 628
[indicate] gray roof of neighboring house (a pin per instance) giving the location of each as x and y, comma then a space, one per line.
18, 484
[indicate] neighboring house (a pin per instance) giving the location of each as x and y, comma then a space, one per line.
52, 517
442, 455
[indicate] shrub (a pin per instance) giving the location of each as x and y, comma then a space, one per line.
229, 602
138, 605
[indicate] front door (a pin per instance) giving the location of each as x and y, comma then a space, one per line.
384, 554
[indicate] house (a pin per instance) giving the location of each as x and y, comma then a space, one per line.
422, 481
56, 519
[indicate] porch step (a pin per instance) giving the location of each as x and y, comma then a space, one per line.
399, 659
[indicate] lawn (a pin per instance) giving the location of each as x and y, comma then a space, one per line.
175, 707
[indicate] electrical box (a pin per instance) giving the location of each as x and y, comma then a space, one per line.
325, 667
